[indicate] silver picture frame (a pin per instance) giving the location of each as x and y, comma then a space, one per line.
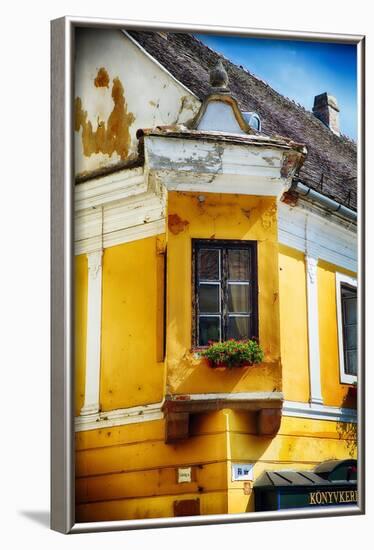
62, 295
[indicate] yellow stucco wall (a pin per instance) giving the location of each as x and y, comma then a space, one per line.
130, 371
80, 320
220, 216
300, 444
128, 472
126, 379
293, 324
333, 392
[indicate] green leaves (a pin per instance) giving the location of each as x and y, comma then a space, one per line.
233, 353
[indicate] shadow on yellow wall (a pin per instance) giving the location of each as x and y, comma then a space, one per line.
348, 430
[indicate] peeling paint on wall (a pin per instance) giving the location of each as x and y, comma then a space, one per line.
114, 134
176, 224
102, 78
186, 104
269, 217
101, 56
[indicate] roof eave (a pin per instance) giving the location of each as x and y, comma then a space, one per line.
331, 205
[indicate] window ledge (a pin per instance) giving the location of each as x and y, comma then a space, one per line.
177, 409
348, 379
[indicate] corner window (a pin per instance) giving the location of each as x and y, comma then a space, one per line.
225, 290
346, 299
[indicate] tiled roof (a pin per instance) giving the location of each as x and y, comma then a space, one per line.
331, 164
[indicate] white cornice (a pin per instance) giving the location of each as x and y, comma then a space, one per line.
320, 237
192, 164
319, 412
129, 205
119, 417
153, 411
113, 187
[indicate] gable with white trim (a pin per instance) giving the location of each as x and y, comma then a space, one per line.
118, 84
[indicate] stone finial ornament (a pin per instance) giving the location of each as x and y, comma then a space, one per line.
218, 77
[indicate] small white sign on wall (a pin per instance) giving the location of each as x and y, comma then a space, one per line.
184, 475
242, 472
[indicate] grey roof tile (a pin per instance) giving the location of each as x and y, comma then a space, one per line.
331, 164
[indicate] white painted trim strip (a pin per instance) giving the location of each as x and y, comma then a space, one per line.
93, 345
153, 411
120, 417
313, 330
319, 412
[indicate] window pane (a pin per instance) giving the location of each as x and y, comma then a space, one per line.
350, 337
209, 299
238, 265
238, 328
238, 298
351, 362
208, 265
209, 329
350, 310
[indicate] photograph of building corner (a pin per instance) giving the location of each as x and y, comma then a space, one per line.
209, 208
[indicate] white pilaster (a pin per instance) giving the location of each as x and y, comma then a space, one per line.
313, 330
92, 387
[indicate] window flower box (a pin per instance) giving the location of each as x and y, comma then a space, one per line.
233, 353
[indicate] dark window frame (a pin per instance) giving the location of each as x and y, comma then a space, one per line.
350, 282
353, 289
223, 245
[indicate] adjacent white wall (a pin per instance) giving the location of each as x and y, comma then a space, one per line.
165, 101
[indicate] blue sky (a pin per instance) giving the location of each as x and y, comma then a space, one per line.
299, 70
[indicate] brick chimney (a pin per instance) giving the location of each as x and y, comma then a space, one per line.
326, 109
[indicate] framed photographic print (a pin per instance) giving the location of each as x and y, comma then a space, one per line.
207, 275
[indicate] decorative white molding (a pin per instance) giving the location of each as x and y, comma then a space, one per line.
132, 218
120, 417
153, 411
227, 397
116, 186
130, 205
311, 268
93, 346
313, 331
342, 278
320, 236
216, 166
314, 411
